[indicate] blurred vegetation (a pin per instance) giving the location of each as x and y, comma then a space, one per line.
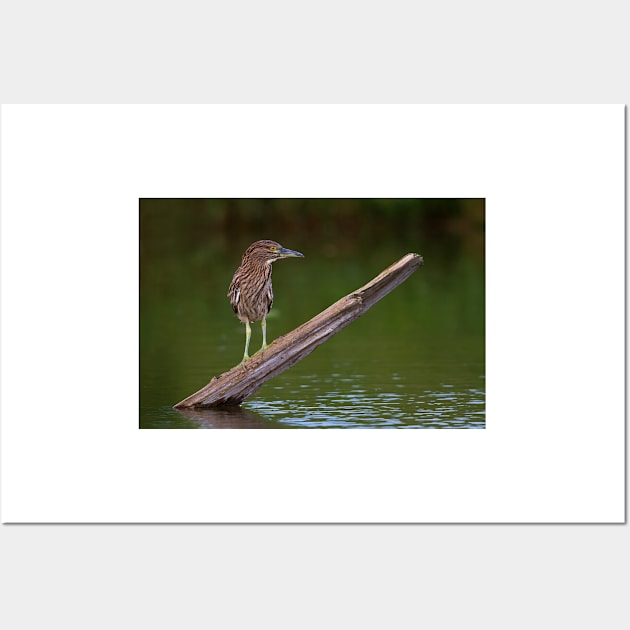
337, 227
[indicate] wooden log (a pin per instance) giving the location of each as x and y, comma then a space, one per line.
234, 386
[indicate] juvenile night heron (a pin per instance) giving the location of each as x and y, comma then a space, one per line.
250, 292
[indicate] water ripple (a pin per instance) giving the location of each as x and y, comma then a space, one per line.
364, 408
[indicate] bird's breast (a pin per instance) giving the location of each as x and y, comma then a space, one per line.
251, 294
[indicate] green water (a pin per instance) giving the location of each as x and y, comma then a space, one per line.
414, 360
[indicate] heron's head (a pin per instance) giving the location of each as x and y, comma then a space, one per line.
268, 251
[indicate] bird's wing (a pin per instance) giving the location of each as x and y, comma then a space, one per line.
269, 298
234, 293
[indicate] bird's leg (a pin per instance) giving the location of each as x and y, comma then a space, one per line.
248, 334
264, 332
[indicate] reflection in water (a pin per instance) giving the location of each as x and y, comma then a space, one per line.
225, 418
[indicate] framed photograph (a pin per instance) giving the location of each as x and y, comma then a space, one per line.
415, 361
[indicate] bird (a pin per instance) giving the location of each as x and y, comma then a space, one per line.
250, 292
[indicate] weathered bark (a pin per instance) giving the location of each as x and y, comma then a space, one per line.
234, 386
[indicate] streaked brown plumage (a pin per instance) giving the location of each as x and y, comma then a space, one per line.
250, 292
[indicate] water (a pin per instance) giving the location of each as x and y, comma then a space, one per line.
416, 359
344, 400
366, 376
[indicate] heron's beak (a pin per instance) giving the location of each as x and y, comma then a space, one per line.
287, 253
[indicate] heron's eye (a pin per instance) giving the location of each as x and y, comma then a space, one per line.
273, 248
